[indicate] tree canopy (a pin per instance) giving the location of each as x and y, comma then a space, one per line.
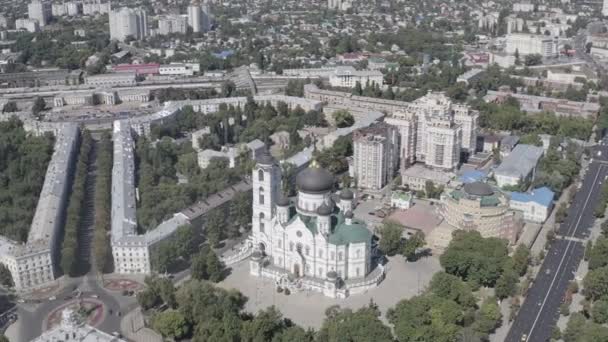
23, 162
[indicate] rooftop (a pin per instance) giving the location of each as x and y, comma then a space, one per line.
520, 161
543, 196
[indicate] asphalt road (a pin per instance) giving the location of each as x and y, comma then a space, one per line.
540, 310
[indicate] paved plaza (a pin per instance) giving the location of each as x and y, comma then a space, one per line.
403, 280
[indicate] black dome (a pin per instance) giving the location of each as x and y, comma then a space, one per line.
478, 189
265, 158
315, 179
346, 194
282, 201
324, 210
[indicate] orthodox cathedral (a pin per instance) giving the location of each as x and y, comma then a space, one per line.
312, 244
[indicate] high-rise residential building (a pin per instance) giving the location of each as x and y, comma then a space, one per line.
206, 22
434, 130
195, 17
172, 24
40, 10
128, 22
375, 155
199, 16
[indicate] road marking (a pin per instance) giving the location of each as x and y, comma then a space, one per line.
563, 256
571, 238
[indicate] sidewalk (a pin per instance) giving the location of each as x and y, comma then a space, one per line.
133, 327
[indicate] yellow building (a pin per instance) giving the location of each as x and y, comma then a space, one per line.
477, 206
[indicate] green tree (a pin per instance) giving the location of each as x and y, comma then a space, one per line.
171, 324
521, 259
6, 279
488, 317
506, 285
599, 311
214, 226
426, 318
533, 59
598, 256
474, 258
596, 283
38, 106
390, 238
10, 107
451, 287
412, 244
343, 118
361, 325
574, 328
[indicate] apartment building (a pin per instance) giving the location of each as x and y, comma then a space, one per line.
40, 11
375, 156
434, 130
528, 44
128, 22
32, 265
347, 77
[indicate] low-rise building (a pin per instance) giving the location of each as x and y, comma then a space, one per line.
176, 69
536, 104
417, 175
477, 206
112, 80
519, 166
535, 205
401, 199
348, 76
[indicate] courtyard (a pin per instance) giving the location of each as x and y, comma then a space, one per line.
403, 280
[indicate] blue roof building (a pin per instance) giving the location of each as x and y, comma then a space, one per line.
535, 205
472, 176
224, 54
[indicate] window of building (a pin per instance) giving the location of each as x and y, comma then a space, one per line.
340, 256
320, 253
307, 251
280, 243
332, 255
291, 246
261, 175
320, 272
358, 253
261, 196
357, 271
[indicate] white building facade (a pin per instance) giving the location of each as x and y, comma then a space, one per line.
529, 44
375, 156
40, 11
128, 22
434, 130
321, 247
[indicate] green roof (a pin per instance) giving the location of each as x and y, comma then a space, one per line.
457, 194
489, 201
402, 195
343, 234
